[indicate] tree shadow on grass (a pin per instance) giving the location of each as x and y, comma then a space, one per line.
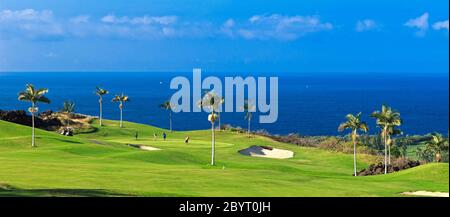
69, 141
89, 131
10, 191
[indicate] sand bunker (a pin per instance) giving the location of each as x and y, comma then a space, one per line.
427, 193
262, 151
144, 147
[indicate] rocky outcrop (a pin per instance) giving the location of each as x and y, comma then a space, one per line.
397, 165
42, 120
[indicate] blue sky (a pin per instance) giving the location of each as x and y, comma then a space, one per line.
403, 36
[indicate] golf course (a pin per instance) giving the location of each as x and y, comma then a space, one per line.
107, 161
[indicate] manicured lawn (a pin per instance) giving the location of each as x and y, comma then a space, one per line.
101, 164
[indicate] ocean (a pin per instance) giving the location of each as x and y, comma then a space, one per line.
309, 103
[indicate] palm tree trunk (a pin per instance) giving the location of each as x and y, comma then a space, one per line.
213, 141
354, 156
389, 154
438, 157
32, 130
248, 131
101, 111
170, 121
121, 118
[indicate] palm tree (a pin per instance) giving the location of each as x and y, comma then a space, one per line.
437, 144
121, 99
386, 119
391, 131
354, 123
30, 94
168, 106
249, 107
100, 92
69, 108
211, 101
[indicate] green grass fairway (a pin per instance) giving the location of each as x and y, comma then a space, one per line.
100, 164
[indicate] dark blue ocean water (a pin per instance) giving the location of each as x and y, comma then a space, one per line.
309, 104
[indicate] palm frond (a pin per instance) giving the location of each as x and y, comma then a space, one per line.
343, 126
363, 126
354, 123
43, 99
68, 107
41, 91
100, 92
32, 95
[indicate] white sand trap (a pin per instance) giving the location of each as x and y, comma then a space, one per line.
144, 147
148, 148
427, 193
258, 151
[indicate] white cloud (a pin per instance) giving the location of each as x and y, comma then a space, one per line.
441, 25
80, 19
227, 28
229, 23
109, 19
26, 15
279, 27
144, 20
29, 23
420, 23
42, 25
366, 25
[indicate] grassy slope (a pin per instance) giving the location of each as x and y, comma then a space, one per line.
100, 164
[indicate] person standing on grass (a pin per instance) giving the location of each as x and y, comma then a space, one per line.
136, 135
154, 136
164, 136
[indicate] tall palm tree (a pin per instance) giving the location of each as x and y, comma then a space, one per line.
30, 94
249, 107
168, 106
437, 144
391, 131
100, 92
386, 119
121, 99
211, 101
354, 123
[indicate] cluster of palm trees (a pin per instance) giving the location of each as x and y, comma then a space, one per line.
121, 99
387, 119
37, 95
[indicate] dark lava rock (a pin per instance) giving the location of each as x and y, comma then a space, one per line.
22, 118
396, 165
46, 113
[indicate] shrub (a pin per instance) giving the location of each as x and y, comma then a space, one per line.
425, 155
